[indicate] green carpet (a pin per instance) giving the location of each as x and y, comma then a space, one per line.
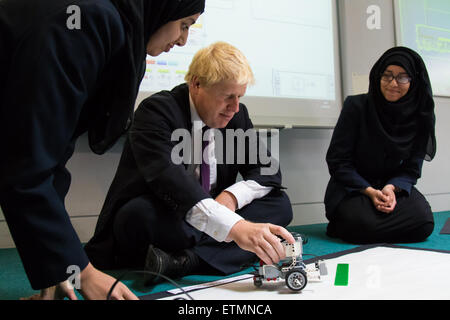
14, 283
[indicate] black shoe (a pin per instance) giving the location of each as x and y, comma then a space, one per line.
173, 266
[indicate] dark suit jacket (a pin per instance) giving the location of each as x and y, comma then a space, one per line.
357, 159
146, 167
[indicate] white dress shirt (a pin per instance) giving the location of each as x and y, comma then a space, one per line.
208, 215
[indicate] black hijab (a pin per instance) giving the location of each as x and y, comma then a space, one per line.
407, 125
114, 101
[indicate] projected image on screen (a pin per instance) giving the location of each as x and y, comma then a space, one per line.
424, 25
291, 46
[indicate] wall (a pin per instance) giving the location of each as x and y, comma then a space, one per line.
302, 151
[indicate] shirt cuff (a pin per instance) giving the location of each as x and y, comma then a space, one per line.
212, 218
247, 191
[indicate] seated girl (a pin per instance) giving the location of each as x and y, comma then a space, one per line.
376, 154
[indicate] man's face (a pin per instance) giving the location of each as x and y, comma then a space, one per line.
217, 104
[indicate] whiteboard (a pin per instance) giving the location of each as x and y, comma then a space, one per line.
292, 48
424, 26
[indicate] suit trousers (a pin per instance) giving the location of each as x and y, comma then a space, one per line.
145, 220
356, 220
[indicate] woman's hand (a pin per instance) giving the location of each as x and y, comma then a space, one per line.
58, 292
389, 191
95, 285
383, 200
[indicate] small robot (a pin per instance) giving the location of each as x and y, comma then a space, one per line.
292, 268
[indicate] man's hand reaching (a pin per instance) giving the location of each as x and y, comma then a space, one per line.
261, 239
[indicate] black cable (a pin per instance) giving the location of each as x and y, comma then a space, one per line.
146, 272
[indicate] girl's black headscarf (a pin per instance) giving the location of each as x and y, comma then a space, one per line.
115, 101
407, 125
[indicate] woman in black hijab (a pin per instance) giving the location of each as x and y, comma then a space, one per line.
376, 154
58, 80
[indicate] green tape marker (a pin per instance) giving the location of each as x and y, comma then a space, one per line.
341, 275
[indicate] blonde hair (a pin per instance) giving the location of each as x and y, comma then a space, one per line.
218, 62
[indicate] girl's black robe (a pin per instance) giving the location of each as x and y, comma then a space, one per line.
357, 157
60, 78
49, 74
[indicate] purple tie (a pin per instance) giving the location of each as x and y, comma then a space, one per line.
204, 167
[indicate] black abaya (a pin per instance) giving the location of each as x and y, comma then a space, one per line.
375, 143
